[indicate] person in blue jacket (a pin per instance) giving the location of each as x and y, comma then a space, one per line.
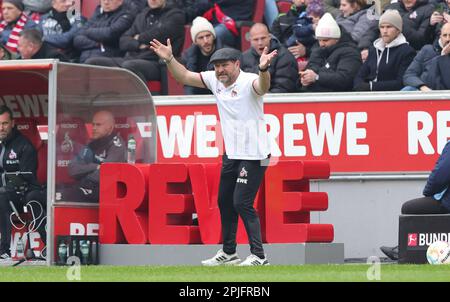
436, 198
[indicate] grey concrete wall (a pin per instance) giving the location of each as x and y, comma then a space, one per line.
365, 212
193, 254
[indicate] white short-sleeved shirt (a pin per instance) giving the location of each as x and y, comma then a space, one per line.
241, 112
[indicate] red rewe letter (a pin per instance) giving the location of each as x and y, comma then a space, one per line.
171, 205
122, 196
289, 202
205, 187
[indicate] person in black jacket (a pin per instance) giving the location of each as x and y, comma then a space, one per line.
18, 169
31, 46
105, 146
333, 65
436, 198
196, 58
388, 59
283, 69
423, 64
158, 21
438, 75
416, 16
191, 8
99, 37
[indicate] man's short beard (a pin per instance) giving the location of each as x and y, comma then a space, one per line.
223, 78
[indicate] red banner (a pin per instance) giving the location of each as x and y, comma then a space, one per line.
363, 136
76, 221
25, 93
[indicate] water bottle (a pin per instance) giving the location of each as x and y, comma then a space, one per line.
131, 148
75, 249
19, 248
84, 248
94, 252
62, 252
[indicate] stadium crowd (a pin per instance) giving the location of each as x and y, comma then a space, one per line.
323, 45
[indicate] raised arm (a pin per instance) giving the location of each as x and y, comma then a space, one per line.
179, 72
262, 84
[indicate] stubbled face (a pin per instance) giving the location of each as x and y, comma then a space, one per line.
388, 32
102, 124
227, 71
6, 125
259, 38
205, 40
327, 42
10, 12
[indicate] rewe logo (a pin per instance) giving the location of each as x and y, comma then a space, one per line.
412, 239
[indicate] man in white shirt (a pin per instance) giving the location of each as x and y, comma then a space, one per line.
240, 104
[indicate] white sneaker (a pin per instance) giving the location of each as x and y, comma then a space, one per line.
222, 259
5, 256
254, 260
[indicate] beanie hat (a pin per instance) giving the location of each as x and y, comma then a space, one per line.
315, 8
201, 24
16, 3
392, 16
328, 28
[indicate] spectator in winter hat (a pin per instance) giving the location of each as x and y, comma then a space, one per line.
14, 21
389, 57
196, 58
416, 15
333, 65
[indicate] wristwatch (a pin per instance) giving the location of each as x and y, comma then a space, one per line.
317, 77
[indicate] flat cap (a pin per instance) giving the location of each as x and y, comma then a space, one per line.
225, 54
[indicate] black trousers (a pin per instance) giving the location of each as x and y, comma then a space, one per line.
422, 206
145, 69
239, 183
5, 222
79, 193
20, 201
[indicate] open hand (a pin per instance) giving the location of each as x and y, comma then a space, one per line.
266, 58
163, 51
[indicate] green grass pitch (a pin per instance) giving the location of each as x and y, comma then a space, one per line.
274, 273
